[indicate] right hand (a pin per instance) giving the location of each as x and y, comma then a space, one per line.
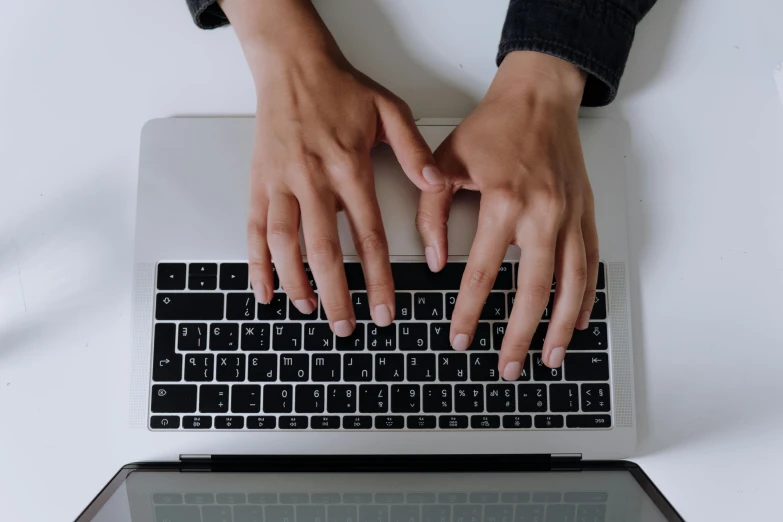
317, 120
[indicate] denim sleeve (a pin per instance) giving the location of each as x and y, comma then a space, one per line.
594, 35
207, 13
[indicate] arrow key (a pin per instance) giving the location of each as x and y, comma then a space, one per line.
202, 282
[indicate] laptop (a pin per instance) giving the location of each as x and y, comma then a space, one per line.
216, 374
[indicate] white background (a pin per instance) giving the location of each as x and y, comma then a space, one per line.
78, 80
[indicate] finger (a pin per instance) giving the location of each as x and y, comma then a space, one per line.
571, 273
412, 151
592, 255
493, 236
536, 267
259, 259
431, 222
369, 237
325, 257
283, 239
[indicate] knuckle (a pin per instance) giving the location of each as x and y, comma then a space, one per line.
380, 287
515, 348
480, 277
576, 275
280, 233
426, 221
505, 205
344, 162
295, 289
324, 250
536, 296
372, 241
336, 309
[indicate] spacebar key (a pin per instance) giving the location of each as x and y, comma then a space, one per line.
184, 306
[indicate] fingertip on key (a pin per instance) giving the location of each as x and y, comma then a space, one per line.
556, 357
512, 371
382, 315
343, 328
461, 342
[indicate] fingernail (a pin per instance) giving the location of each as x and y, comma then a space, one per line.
461, 342
556, 357
305, 306
381, 314
432, 258
512, 371
343, 328
583, 321
262, 293
433, 175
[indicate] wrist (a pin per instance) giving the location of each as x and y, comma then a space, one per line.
526, 73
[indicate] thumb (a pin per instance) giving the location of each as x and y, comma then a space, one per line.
431, 221
413, 153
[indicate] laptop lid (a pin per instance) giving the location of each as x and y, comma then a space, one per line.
381, 489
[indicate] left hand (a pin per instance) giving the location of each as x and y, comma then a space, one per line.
520, 148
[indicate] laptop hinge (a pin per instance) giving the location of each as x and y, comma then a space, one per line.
567, 462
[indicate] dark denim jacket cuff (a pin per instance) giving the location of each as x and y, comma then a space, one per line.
594, 35
207, 13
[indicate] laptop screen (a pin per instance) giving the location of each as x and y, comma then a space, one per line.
562, 496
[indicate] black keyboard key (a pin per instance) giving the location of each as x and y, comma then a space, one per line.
246, 398
549, 421
198, 422
484, 367
451, 302
588, 421
413, 336
389, 367
354, 342
224, 337
275, 310
229, 422
361, 306
231, 498
230, 367
310, 276
595, 397
599, 308
594, 337
428, 306
452, 498
295, 315
374, 513
451, 422
318, 337
278, 398
295, 367
452, 367
404, 306
439, 337
517, 422
531, 513
587, 366
192, 337
481, 339
189, 306
240, 307
498, 333
494, 307
484, 422
510, 298
357, 367
532, 398
545, 373
255, 337
591, 513
166, 363
202, 283
505, 278
501, 398
564, 397
164, 422
354, 276
510, 497
421, 422
373, 398
233, 276
326, 367
199, 367
601, 277
325, 422
437, 398
171, 276
293, 422
177, 513
468, 398
549, 306
357, 422
262, 367
174, 398
406, 398
381, 338
286, 337
561, 513
486, 498
263, 422
341, 398
203, 269
213, 398
417, 276
537, 343
389, 422
421, 367
585, 496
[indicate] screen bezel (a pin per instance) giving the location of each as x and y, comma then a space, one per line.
382, 464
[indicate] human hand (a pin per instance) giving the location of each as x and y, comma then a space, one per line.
317, 120
520, 148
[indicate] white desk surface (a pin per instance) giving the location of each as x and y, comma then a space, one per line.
703, 94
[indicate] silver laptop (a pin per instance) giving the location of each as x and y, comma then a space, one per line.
216, 373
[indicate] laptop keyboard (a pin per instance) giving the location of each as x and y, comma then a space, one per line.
222, 361
381, 507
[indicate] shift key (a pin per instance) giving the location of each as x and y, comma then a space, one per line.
189, 306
